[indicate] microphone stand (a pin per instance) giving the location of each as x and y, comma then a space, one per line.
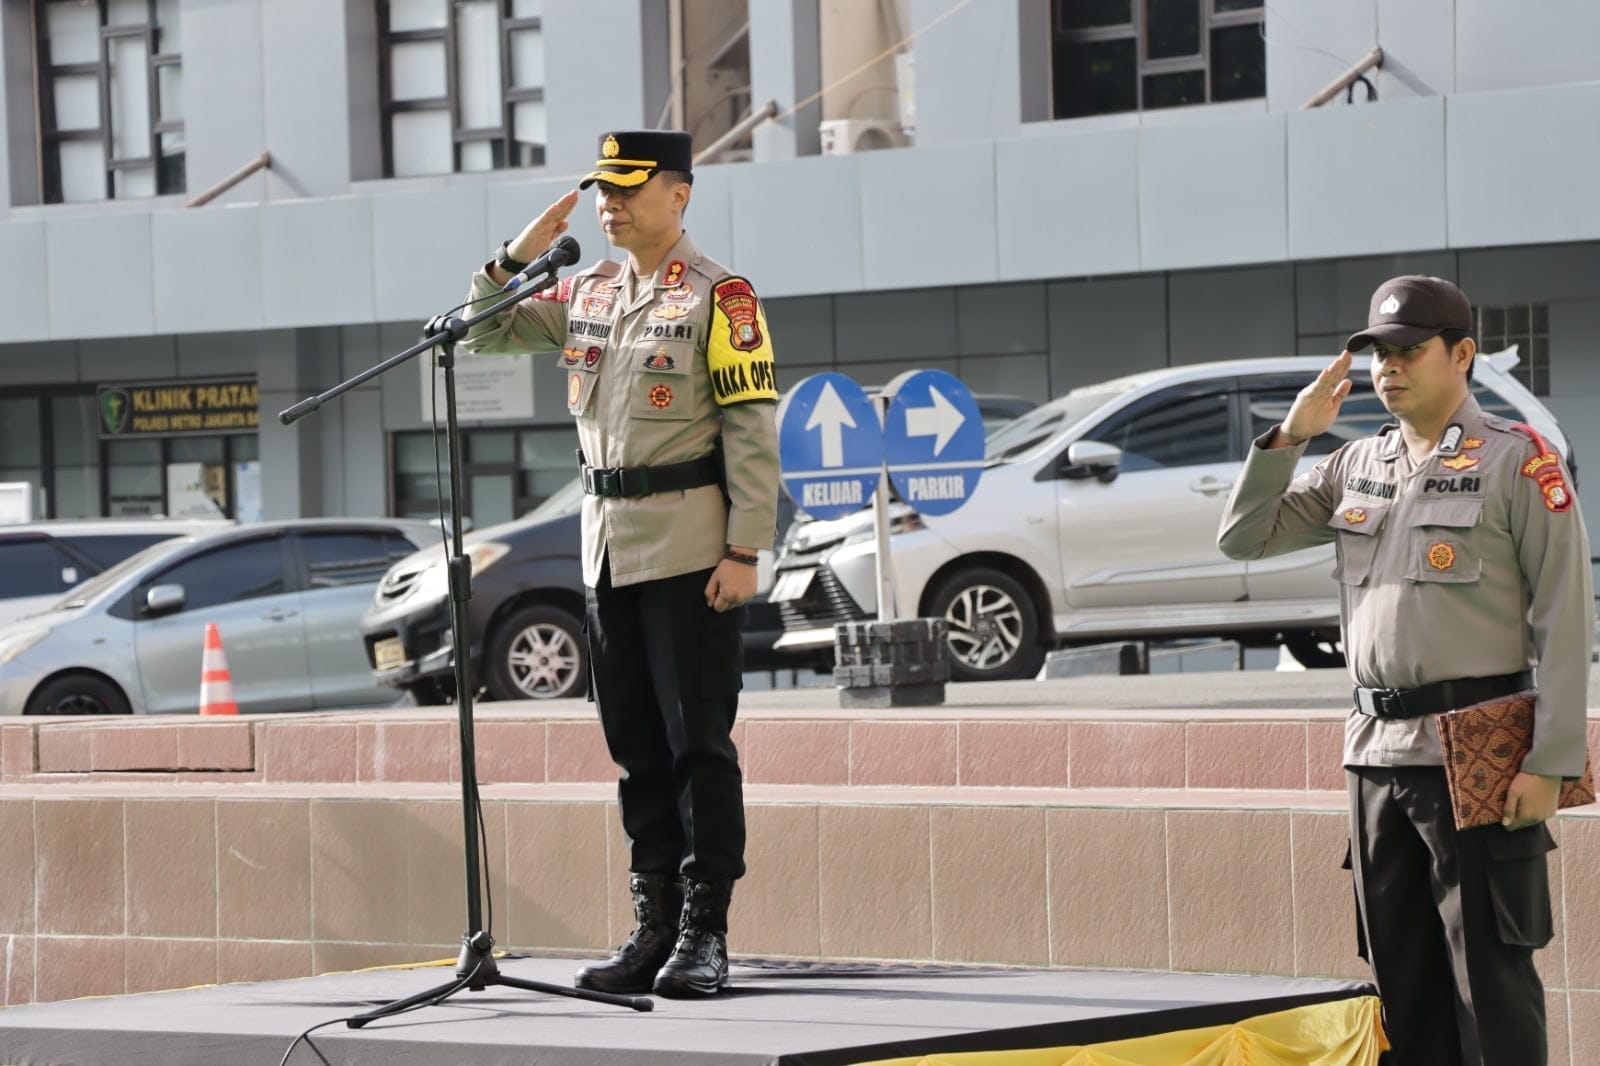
475, 967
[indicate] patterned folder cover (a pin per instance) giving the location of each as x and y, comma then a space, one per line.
1484, 746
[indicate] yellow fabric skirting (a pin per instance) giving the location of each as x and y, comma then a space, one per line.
1344, 1032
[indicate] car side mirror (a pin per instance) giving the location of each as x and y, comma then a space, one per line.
1092, 458
164, 599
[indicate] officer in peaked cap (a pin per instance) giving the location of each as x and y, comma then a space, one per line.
1463, 566
668, 367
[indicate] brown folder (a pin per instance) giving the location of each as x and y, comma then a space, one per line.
1484, 746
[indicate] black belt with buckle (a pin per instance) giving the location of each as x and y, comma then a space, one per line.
635, 481
1439, 697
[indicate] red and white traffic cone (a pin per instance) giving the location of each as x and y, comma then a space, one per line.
216, 684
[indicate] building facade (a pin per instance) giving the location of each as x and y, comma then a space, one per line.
1067, 190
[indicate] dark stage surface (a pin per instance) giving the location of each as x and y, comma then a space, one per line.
776, 1015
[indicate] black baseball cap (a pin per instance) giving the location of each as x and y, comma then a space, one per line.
1411, 309
629, 158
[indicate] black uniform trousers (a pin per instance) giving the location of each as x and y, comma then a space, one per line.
665, 671
1448, 920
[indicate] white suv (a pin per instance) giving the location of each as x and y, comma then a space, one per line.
1096, 519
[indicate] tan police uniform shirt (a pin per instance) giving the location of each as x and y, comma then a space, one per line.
656, 369
1458, 568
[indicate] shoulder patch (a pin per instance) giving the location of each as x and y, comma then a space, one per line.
738, 351
1544, 467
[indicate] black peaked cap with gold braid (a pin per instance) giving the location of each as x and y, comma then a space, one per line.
629, 157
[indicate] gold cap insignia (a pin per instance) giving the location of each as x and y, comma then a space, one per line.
610, 149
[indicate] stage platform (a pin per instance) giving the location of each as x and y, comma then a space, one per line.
776, 1015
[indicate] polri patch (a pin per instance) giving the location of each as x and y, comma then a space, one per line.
738, 301
660, 396
659, 360
1441, 556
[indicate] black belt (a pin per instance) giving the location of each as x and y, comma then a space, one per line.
1439, 697
633, 481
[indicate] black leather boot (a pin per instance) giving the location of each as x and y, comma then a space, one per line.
699, 962
657, 901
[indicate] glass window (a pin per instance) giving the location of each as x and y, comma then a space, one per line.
1185, 432
1113, 55
135, 478
463, 85
1528, 327
350, 557
98, 64
29, 568
110, 549
228, 574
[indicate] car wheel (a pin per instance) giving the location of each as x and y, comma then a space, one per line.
1313, 653
77, 694
537, 653
993, 627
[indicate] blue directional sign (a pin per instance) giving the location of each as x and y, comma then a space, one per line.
830, 446
932, 440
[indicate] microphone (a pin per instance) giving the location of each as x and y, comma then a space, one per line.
562, 253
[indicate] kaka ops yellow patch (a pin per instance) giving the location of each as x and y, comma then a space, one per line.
739, 349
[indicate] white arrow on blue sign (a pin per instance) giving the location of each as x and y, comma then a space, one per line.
830, 446
933, 440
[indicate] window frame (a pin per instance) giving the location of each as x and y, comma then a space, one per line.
50, 137
499, 137
1062, 36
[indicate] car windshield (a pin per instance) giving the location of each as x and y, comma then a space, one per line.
91, 588
1036, 427
565, 500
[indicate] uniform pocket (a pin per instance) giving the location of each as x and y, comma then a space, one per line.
1440, 544
1357, 523
1519, 883
663, 382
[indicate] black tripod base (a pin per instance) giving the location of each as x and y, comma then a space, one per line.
476, 970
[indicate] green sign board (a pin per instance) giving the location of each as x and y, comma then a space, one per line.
178, 408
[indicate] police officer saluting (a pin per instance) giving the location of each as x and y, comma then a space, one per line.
669, 372
1463, 566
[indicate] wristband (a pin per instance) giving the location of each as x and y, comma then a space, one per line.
504, 260
741, 557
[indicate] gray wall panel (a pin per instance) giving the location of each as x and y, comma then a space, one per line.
24, 303
1311, 42
799, 224
98, 272
207, 268
224, 116
801, 327
1068, 205
579, 104
39, 363
928, 216
1507, 46
1103, 329
1001, 319
215, 354
304, 75
1342, 200
966, 87
1329, 344
425, 246
1531, 275
362, 454
277, 366
1575, 359
289, 485
876, 374
358, 350
1521, 170
118, 359
1419, 53
1232, 314
1316, 301
914, 324
402, 388
312, 262
1230, 210
709, 218
1011, 375
511, 206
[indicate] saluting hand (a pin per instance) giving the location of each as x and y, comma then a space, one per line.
1315, 409
541, 233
